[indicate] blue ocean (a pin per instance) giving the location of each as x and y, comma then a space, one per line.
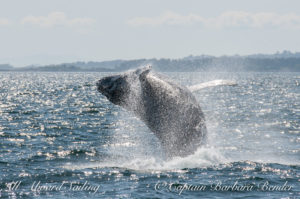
60, 138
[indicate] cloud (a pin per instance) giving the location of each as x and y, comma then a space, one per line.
4, 22
57, 19
226, 19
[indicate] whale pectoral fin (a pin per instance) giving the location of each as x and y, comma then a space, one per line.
218, 82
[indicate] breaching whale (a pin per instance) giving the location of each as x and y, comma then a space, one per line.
169, 110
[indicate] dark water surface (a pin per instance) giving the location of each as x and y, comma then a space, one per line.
60, 138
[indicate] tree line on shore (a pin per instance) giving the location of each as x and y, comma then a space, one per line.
284, 62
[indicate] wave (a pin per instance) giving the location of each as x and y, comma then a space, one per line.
203, 157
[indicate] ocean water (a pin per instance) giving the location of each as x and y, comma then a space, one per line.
60, 138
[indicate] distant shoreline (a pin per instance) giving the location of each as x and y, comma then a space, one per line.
280, 62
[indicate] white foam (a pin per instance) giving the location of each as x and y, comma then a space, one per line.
203, 157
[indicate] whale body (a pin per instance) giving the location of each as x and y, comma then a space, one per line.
169, 110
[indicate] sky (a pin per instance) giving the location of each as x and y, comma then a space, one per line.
39, 32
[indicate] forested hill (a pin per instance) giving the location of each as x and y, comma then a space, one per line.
283, 62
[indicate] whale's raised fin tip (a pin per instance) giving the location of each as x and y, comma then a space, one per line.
143, 70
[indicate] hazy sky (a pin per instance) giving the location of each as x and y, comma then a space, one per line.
55, 31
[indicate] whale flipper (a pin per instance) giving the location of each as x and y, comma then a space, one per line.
218, 82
